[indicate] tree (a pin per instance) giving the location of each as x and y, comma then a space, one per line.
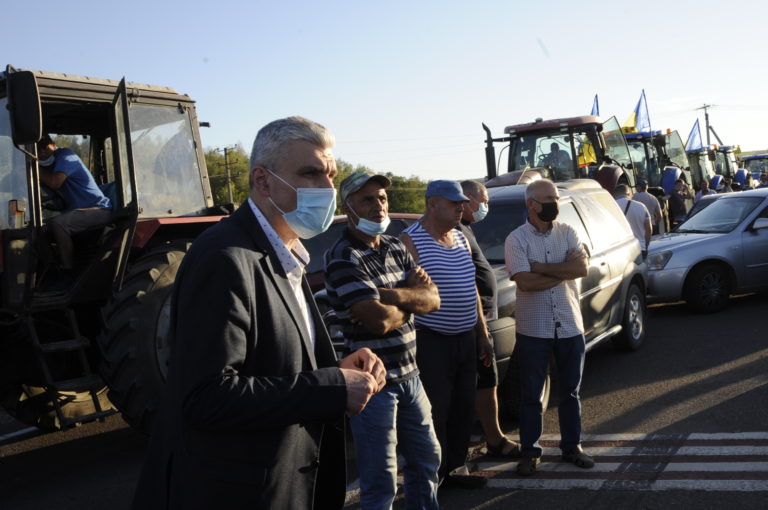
405, 195
238, 173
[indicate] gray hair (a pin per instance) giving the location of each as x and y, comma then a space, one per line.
472, 187
535, 186
272, 140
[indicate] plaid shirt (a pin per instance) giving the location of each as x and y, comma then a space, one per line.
550, 312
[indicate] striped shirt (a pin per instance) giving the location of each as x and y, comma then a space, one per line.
354, 272
453, 272
550, 312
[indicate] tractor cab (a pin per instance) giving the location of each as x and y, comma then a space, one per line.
141, 146
562, 149
656, 154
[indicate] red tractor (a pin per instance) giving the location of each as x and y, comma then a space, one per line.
560, 150
73, 353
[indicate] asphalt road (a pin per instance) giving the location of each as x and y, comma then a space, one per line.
696, 390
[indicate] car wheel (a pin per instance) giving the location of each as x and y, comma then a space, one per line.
633, 323
708, 288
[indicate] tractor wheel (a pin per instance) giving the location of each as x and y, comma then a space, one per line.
134, 341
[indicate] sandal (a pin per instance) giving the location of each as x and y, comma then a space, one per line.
505, 448
578, 458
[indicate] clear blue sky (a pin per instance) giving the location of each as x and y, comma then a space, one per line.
405, 85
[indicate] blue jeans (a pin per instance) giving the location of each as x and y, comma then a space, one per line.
400, 412
534, 355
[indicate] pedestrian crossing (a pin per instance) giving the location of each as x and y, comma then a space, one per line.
652, 462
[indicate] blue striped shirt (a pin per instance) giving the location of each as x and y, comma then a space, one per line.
453, 272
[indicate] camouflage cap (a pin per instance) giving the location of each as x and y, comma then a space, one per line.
353, 183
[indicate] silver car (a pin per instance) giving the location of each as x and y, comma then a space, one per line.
720, 251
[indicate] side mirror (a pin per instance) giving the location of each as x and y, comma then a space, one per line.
760, 223
24, 103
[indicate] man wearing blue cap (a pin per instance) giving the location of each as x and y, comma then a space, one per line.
449, 339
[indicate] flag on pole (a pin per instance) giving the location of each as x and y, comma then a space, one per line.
694, 138
639, 121
595, 107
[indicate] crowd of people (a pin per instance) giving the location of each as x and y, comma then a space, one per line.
255, 401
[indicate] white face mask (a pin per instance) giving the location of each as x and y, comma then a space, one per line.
48, 161
481, 212
369, 227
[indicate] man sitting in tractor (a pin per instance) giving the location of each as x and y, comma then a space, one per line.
559, 162
85, 206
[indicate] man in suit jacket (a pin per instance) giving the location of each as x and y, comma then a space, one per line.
254, 406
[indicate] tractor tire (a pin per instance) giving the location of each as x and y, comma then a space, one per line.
134, 339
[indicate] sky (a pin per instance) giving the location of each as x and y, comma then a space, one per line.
405, 85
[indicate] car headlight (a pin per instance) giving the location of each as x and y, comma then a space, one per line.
658, 260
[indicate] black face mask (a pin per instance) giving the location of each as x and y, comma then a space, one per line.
549, 211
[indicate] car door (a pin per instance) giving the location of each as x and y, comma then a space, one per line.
594, 304
755, 245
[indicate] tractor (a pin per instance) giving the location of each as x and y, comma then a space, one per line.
563, 149
77, 353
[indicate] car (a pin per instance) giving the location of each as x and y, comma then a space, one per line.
701, 203
720, 251
318, 245
612, 294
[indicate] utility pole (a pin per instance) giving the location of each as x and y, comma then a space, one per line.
706, 107
226, 150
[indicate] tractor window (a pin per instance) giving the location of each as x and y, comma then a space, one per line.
165, 161
13, 178
616, 147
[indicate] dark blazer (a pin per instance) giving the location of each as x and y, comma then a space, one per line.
253, 415
485, 278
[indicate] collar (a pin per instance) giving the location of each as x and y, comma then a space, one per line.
360, 245
291, 260
535, 230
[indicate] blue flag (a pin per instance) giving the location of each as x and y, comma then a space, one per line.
694, 139
639, 121
595, 107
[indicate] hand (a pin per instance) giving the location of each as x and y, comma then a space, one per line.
366, 361
485, 348
417, 277
361, 386
575, 253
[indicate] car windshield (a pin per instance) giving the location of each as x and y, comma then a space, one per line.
722, 216
494, 229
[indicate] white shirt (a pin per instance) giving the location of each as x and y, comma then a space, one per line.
637, 216
650, 202
550, 312
699, 194
293, 264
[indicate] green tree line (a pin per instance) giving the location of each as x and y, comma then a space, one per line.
406, 195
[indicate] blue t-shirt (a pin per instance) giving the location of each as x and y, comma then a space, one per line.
79, 190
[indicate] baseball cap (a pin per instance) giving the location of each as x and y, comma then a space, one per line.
450, 190
352, 183
642, 183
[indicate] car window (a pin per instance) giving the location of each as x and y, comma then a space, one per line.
569, 215
494, 229
606, 221
722, 216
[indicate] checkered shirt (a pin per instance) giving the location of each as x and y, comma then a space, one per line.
550, 312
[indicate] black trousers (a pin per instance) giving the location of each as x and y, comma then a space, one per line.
448, 370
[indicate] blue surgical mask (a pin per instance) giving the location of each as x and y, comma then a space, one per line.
369, 227
314, 210
481, 212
